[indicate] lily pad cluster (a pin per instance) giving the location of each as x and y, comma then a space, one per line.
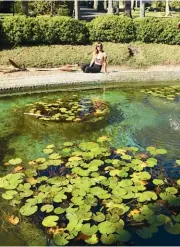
89, 192
169, 93
74, 109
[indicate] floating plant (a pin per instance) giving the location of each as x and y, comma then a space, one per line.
169, 93
92, 193
74, 109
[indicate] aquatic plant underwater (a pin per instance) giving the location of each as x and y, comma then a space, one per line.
91, 193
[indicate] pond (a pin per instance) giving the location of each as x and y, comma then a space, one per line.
138, 117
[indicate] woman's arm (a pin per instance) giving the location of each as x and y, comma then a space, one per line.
105, 64
93, 60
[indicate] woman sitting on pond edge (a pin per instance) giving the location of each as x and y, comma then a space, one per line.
99, 59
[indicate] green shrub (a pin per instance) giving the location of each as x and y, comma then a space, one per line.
43, 30
157, 30
112, 28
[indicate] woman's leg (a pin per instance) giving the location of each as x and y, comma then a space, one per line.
94, 69
84, 66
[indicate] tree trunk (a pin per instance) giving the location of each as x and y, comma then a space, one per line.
76, 9
110, 7
142, 8
136, 5
167, 7
25, 7
105, 4
127, 9
95, 6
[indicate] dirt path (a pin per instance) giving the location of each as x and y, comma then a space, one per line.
34, 78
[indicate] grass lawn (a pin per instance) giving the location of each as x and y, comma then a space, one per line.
118, 54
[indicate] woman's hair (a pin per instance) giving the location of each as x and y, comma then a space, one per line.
99, 44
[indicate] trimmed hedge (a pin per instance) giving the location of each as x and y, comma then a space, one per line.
66, 30
43, 30
157, 30
112, 28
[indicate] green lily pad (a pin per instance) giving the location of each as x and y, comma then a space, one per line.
40, 160
147, 232
125, 183
8, 195
15, 162
173, 229
158, 181
47, 208
176, 218
108, 239
98, 217
106, 227
123, 236
54, 156
178, 162
151, 162
50, 221
59, 197
50, 146
48, 151
59, 210
92, 240
60, 239
147, 196
28, 209
73, 221
89, 230
171, 190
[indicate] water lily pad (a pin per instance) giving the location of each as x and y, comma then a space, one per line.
47, 208
28, 209
60, 239
123, 236
98, 217
158, 181
54, 156
40, 160
108, 239
106, 227
15, 162
171, 190
89, 230
50, 221
59, 197
176, 218
59, 210
173, 229
147, 196
92, 240
125, 183
8, 195
151, 162
146, 232
48, 151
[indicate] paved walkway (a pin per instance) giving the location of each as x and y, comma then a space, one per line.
90, 13
120, 77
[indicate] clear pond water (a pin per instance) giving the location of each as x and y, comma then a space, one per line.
135, 119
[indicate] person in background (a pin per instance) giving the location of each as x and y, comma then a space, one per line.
98, 61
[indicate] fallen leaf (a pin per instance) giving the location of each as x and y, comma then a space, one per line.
143, 182
14, 220
18, 168
31, 180
133, 212
143, 164
6, 164
82, 236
